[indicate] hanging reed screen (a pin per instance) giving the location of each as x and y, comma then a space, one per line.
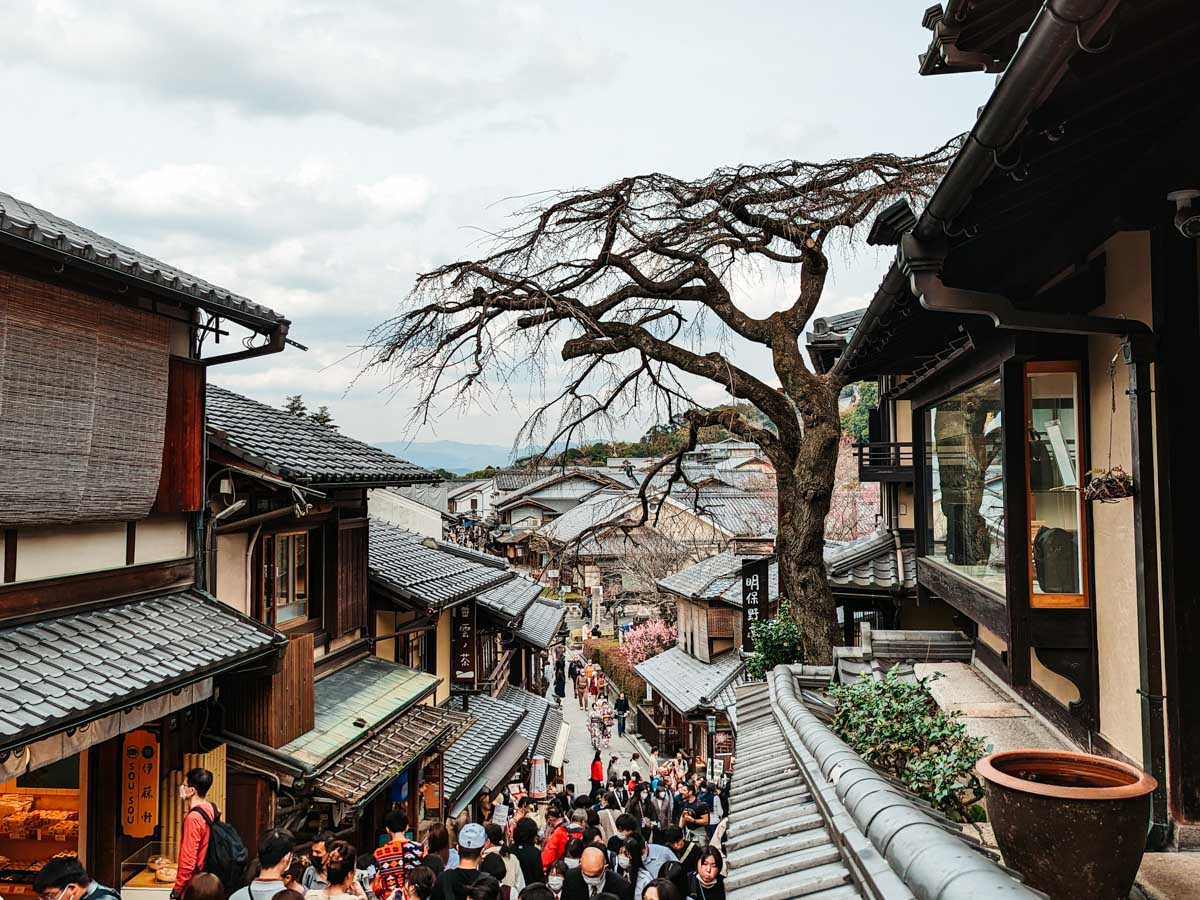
83, 400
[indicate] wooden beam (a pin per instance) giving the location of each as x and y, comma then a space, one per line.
28, 600
130, 543
10, 555
1175, 285
979, 604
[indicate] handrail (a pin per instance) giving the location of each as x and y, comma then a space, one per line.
893, 454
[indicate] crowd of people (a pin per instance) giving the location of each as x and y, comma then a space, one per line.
473, 537
629, 838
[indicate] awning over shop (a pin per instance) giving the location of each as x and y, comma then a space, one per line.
352, 704
542, 622
495, 774
688, 684
63, 672
369, 767
540, 725
473, 754
559, 754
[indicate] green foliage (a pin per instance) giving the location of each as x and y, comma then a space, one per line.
477, 475
898, 728
323, 417
777, 642
616, 667
855, 420
294, 405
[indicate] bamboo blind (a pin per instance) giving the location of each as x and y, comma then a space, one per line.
83, 402
172, 809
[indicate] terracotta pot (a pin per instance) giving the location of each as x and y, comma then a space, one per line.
1074, 825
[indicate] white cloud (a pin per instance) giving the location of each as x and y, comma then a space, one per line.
382, 64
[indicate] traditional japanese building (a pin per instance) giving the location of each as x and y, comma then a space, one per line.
1035, 335
112, 651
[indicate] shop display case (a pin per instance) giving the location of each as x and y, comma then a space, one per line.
149, 874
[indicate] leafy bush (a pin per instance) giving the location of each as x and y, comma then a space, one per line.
616, 667
646, 640
898, 728
777, 642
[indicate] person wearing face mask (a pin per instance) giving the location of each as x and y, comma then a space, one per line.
197, 829
631, 863
593, 878
274, 857
662, 807
65, 878
314, 876
707, 882
556, 877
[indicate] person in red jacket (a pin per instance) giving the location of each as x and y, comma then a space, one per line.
554, 847
597, 776
193, 844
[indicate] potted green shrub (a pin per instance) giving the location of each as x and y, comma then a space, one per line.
1073, 824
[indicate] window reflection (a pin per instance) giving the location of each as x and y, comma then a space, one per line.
1055, 516
964, 500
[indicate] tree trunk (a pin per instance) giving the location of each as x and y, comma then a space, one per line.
805, 490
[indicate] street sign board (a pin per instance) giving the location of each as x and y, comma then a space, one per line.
755, 600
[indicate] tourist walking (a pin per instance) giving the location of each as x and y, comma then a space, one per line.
621, 707
594, 877
65, 877
707, 882
452, 884
340, 874
274, 856
597, 775
197, 828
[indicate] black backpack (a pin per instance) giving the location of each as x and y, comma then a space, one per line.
227, 856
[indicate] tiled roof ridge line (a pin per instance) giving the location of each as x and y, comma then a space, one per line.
887, 824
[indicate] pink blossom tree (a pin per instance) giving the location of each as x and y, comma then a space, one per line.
646, 640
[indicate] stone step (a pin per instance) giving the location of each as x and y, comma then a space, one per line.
800, 867
766, 829
741, 811
790, 842
770, 789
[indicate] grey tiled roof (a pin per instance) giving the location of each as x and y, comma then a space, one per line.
867, 563
510, 599
549, 739
718, 578
600, 507
27, 223
541, 623
403, 562
870, 563
809, 817
67, 670
299, 449
495, 722
550, 479
537, 722
515, 479
682, 680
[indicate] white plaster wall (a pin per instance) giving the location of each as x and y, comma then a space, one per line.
231, 570
1127, 291
55, 550
161, 538
405, 512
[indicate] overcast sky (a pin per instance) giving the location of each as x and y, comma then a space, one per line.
314, 156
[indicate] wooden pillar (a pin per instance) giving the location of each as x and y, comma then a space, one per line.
1138, 353
1175, 283
1016, 520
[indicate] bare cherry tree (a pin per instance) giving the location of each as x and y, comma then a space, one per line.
641, 289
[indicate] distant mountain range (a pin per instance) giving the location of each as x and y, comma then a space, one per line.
453, 456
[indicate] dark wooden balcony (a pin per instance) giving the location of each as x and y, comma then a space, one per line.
884, 461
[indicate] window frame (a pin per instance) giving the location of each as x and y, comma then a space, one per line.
1038, 600
270, 593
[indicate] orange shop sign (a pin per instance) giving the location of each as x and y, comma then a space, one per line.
139, 784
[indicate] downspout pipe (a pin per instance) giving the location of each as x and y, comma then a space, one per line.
1061, 30
276, 342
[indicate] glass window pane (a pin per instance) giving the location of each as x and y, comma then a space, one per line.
283, 568
964, 468
1054, 512
300, 542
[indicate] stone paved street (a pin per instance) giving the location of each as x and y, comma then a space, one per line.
579, 747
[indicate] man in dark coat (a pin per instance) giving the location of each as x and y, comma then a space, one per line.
593, 877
